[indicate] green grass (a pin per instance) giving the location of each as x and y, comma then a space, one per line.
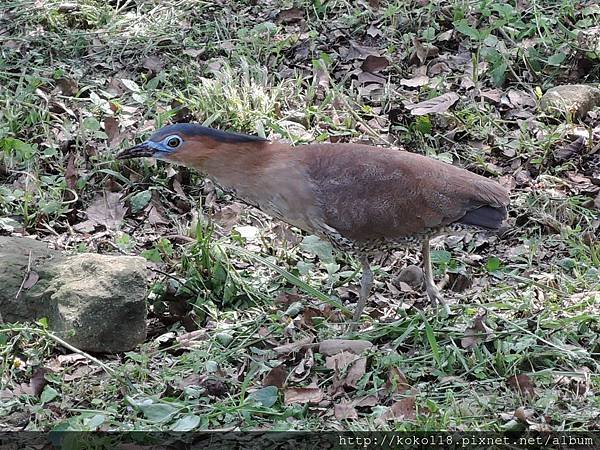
252, 284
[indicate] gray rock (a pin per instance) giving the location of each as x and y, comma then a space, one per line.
411, 275
570, 99
94, 302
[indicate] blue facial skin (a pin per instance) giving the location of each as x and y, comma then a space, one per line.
162, 149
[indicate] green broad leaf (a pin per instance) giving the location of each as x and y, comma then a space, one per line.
493, 264
131, 85
140, 200
557, 59
423, 124
157, 412
152, 255
153, 83
48, 394
90, 124
498, 74
464, 28
567, 263
441, 256
94, 422
22, 150
304, 268
312, 244
186, 423
8, 224
266, 396
331, 268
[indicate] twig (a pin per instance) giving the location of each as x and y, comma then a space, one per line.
25, 277
180, 237
80, 352
74, 349
107, 369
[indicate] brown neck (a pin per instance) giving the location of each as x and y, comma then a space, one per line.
231, 165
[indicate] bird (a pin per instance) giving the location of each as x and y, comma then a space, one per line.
362, 199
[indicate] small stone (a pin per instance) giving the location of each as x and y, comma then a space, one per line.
570, 99
411, 275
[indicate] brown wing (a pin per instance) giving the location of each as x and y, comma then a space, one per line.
369, 192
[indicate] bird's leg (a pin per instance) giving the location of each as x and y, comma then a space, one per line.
366, 282
432, 290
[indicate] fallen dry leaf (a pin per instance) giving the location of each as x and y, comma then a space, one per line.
374, 64
71, 173
494, 95
522, 384
417, 81
357, 51
396, 381
276, 377
373, 31
34, 388
366, 402
192, 339
293, 347
571, 149
367, 77
107, 209
332, 346
291, 15
68, 87
81, 371
153, 63
155, 216
111, 128
519, 99
356, 372
344, 410
32, 278
302, 395
401, 410
435, 105
340, 361
476, 333
303, 369
193, 52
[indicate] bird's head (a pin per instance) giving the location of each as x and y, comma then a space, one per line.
188, 144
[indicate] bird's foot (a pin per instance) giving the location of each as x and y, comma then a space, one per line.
436, 298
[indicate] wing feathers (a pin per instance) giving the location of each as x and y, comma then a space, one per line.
369, 192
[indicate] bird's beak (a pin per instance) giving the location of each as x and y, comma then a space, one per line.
143, 149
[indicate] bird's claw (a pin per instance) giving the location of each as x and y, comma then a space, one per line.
436, 298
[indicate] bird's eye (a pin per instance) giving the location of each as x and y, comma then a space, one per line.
173, 141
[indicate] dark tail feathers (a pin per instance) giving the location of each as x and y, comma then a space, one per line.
485, 217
